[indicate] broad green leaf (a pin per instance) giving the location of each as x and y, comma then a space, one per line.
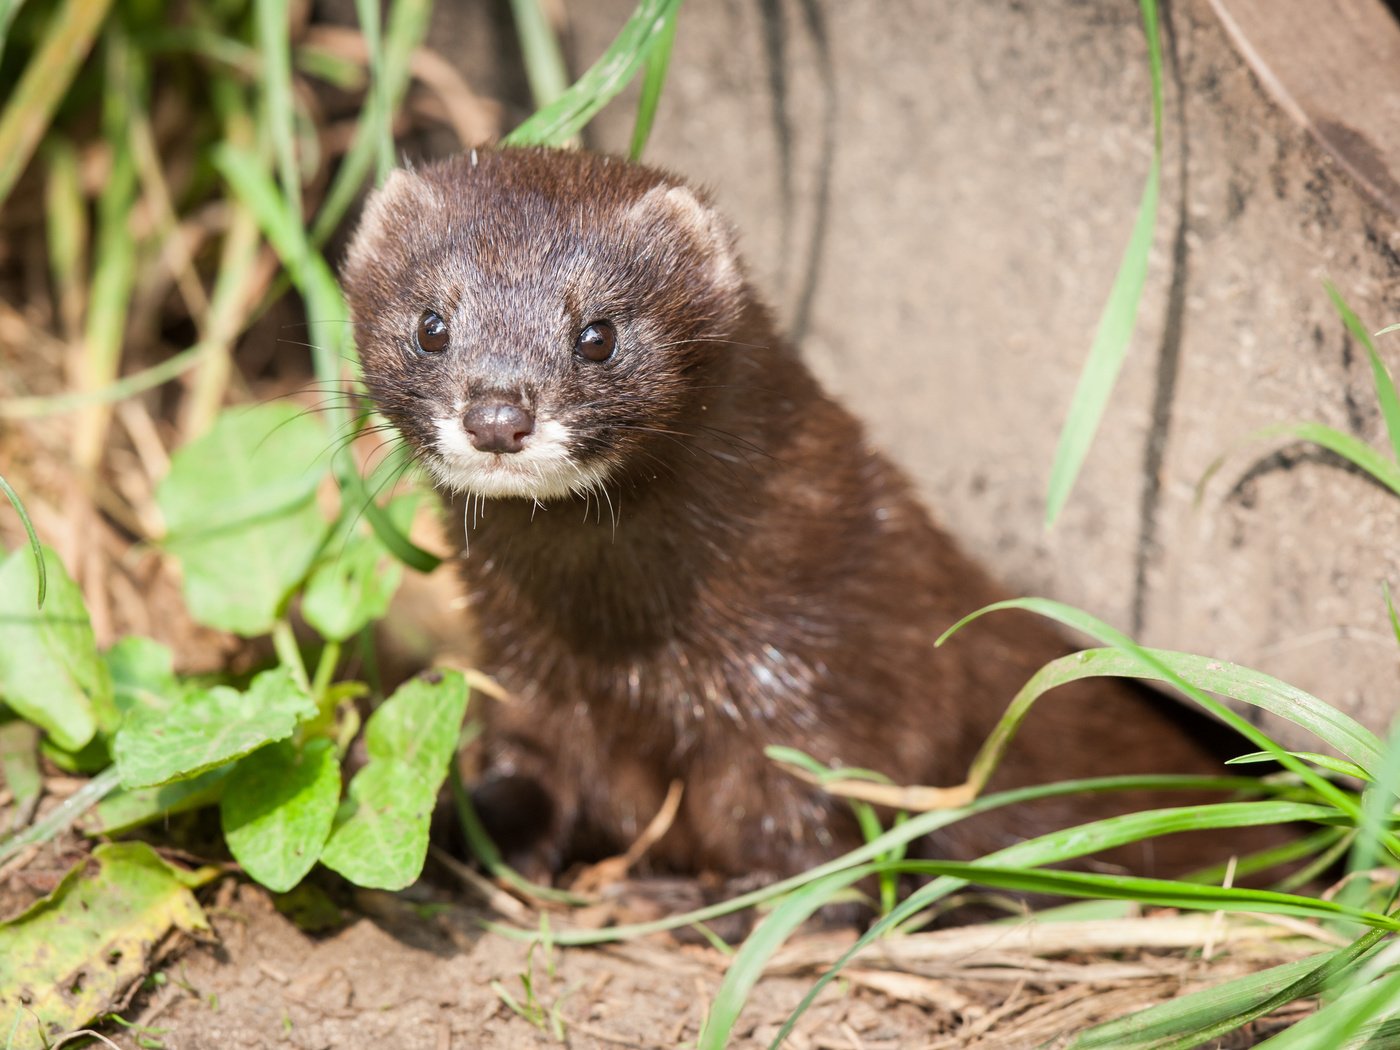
129, 808
70, 956
277, 810
96, 754
383, 838
208, 728
356, 578
239, 504
143, 674
256, 463
50, 671
350, 588
418, 726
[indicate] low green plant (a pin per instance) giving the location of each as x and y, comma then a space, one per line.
529, 1006
241, 505
266, 546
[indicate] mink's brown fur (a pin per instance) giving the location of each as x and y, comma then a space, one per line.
750, 572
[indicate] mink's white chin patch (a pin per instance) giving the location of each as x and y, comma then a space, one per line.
542, 470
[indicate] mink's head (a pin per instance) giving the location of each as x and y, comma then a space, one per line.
533, 320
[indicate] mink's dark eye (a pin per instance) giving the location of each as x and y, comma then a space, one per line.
596, 342
432, 333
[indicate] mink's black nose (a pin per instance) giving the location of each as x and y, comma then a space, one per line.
498, 426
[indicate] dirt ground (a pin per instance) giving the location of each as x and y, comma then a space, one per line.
402, 977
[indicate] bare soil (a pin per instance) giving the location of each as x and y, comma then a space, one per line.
400, 977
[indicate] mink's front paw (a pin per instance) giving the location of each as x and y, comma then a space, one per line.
518, 815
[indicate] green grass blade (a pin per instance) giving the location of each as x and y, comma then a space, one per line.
1350, 448
1222, 1008
66, 44
1055, 848
327, 315
1303, 847
767, 937
653, 80
66, 222
1110, 346
1321, 865
209, 44
1165, 893
356, 494
1343, 1024
41, 570
1388, 329
115, 250
404, 32
1377, 804
62, 816
128, 386
278, 105
1119, 316
1088, 838
539, 48
325, 306
1385, 386
8, 10
1327, 762
1390, 609
367, 11
567, 115
1336, 729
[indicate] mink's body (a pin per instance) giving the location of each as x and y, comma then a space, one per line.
679, 550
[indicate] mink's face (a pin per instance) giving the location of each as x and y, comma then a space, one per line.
535, 322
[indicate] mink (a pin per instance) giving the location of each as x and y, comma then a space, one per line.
679, 550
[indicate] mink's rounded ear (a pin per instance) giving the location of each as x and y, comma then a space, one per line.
679, 207
397, 209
